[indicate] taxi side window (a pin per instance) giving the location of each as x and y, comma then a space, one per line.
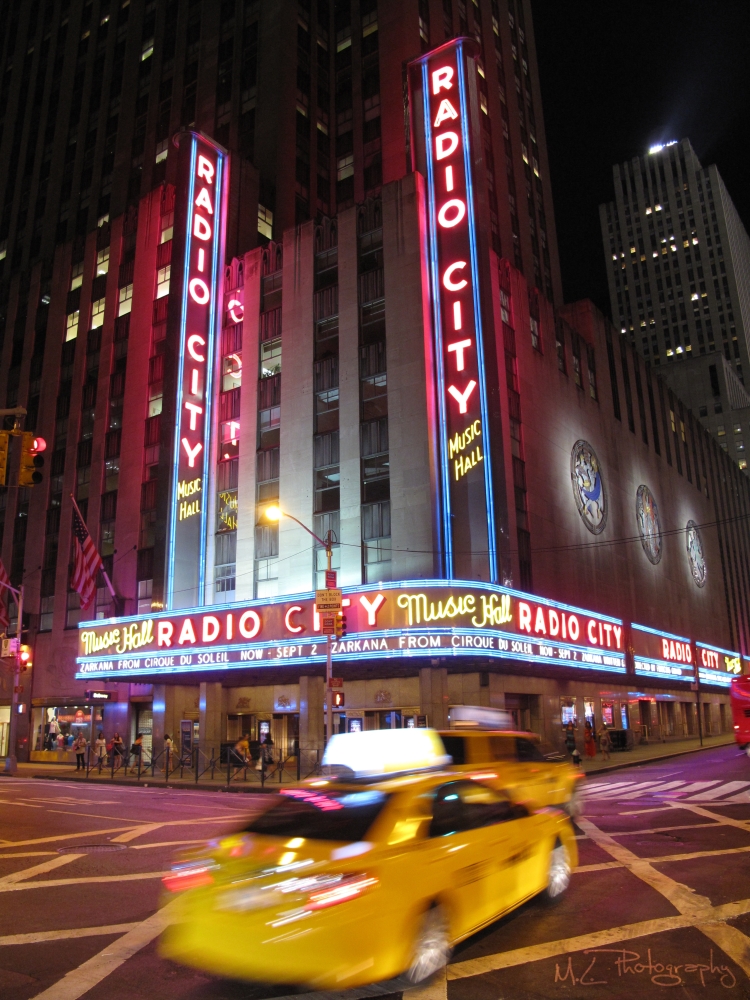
502, 748
455, 746
467, 805
527, 751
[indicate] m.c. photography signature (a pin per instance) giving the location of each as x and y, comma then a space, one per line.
596, 963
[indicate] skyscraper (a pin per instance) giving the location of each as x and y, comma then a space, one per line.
678, 268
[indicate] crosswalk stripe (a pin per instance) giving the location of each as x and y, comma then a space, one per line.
655, 790
696, 786
730, 787
615, 791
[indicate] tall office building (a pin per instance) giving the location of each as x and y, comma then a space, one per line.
303, 253
678, 269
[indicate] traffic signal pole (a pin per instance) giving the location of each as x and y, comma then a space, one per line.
329, 660
11, 761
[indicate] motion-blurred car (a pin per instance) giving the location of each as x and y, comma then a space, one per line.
517, 762
373, 872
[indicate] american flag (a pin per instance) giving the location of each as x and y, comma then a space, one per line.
88, 562
4, 620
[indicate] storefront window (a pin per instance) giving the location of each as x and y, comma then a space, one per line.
56, 727
588, 713
568, 711
608, 713
624, 716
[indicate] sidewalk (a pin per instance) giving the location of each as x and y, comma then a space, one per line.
642, 754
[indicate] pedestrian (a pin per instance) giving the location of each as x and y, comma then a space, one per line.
605, 742
101, 750
135, 751
79, 745
570, 738
577, 757
118, 750
589, 740
242, 751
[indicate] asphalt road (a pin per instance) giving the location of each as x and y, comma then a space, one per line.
659, 905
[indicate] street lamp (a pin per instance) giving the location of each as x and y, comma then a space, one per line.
275, 513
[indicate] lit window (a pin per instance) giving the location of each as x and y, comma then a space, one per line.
102, 220
739, 444
71, 326
742, 463
148, 50
265, 222
231, 372
3, 249
162, 148
167, 227
97, 314
737, 428
648, 211
270, 358
671, 415
345, 167
76, 276
162, 281
102, 261
657, 208
125, 300
534, 333
720, 430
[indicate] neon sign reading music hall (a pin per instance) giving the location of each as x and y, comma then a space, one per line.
200, 212
441, 142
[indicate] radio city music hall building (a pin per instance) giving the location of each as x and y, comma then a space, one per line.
524, 515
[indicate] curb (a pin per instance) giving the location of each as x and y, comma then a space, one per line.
652, 760
158, 784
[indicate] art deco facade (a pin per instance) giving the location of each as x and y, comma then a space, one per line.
608, 496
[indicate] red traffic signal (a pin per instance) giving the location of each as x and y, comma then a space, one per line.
39, 445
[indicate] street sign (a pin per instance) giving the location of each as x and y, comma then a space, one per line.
10, 648
331, 579
329, 625
328, 600
100, 696
336, 682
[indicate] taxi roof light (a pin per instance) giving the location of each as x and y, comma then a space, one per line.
384, 752
478, 717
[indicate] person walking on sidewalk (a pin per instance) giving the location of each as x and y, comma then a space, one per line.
79, 745
118, 751
101, 750
605, 742
589, 741
135, 751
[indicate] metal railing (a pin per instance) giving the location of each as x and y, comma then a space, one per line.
272, 766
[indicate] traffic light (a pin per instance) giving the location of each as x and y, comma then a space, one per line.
340, 625
31, 460
24, 657
4, 443
338, 699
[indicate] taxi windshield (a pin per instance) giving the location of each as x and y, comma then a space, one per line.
336, 815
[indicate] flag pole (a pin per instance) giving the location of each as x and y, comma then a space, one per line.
103, 571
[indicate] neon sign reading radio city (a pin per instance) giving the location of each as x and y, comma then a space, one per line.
200, 216
441, 77
448, 618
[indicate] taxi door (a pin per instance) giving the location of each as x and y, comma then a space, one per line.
469, 843
537, 779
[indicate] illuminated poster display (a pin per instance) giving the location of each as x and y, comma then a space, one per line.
717, 666
661, 654
441, 145
415, 618
200, 221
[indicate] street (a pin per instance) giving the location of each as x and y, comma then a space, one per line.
661, 898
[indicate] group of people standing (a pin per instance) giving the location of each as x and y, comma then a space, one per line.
590, 739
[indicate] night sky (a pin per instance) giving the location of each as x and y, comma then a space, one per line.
617, 78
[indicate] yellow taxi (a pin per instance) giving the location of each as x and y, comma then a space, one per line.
372, 872
518, 762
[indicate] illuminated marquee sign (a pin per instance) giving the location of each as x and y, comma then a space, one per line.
200, 221
661, 654
717, 666
441, 144
417, 618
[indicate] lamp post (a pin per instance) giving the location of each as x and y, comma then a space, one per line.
11, 762
275, 513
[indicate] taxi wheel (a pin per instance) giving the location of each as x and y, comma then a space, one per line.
558, 878
432, 946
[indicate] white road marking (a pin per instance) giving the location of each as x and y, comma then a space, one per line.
139, 831
640, 812
695, 786
27, 854
13, 802
41, 937
163, 843
90, 974
616, 790
655, 790
730, 787
45, 866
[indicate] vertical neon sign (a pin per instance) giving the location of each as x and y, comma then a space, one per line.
466, 495
203, 215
